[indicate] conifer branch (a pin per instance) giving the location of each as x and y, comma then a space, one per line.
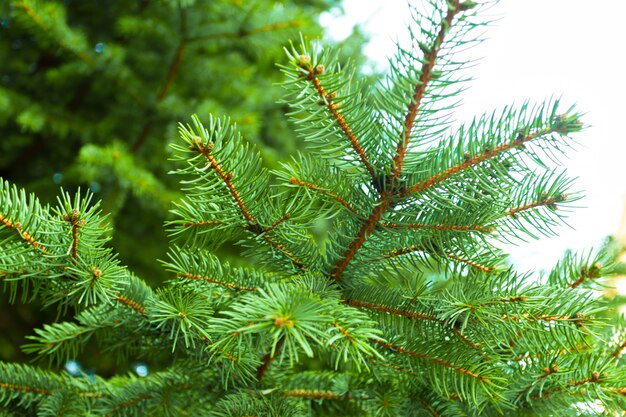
411, 315
318, 395
203, 223
619, 350
333, 108
216, 281
267, 360
426, 73
460, 369
587, 273
461, 228
42, 25
171, 74
365, 230
470, 162
428, 407
471, 263
278, 222
321, 190
545, 201
17, 228
24, 388
134, 305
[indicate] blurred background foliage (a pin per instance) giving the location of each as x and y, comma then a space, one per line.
91, 94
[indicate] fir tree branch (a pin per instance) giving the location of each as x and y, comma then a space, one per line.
484, 156
42, 25
253, 226
619, 350
587, 273
24, 388
171, 74
385, 198
131, 304
204, 223
321, 190
462, 228
216, 281
411, 315
17, 228
205, 150
400, 350
428, 407
545, 201
334, 110
364, 231
268, 358
319, 395
426, 73
471, 263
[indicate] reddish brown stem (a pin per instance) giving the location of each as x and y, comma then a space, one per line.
400, 350
420, 88
461, 228
324, 191
134, 305
268, 358
486, 155
17, 227
333, 108
218, 282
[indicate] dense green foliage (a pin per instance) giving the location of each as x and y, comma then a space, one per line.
334, 313
91, 94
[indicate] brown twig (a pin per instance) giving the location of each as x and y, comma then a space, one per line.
411, 315
334, 109
134, 305
268, 358
17, 227
461, 228
484, 156
324, 191
215, 281
420, 88
460, 369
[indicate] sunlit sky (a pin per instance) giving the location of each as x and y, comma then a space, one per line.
538, 49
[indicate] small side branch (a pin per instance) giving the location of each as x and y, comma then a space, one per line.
131, 304
426, 73
411, 315
17, 227
318, 395
544, 201
24, 388
333, 108
453, 227
587, 274
484, 156
232, 286
460, 369
317, 188
205, 150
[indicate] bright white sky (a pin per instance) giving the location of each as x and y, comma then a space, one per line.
573, 49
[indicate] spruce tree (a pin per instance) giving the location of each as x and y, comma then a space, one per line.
375, 286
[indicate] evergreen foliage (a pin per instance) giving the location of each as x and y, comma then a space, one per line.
343, 318
91, 94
